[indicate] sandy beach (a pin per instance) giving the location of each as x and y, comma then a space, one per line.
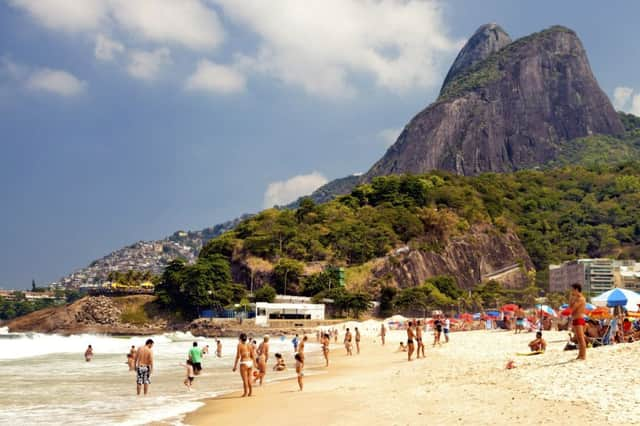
463, 382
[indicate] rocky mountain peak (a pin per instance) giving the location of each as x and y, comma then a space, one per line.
487, 39
509, 111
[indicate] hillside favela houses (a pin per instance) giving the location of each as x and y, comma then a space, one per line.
595, 275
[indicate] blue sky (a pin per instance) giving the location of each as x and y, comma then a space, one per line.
124, 120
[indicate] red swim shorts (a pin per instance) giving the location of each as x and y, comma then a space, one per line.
579, 321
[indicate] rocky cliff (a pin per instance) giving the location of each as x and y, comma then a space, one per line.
509, 111
481, 254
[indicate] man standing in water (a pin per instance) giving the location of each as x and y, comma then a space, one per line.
195, 356
144, 366
88, 354
577, 304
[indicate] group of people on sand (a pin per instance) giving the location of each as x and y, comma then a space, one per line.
348, 341
415, 331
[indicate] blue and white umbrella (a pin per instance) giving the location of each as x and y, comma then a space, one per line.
618, 297
547, 310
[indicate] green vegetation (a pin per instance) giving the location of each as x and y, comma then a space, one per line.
597, 150
207, 284
559, 214
265, 293
132, 278
10, 309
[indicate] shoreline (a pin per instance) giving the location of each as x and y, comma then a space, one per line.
453, 385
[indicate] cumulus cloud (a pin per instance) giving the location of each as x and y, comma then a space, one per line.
621, 96
106, 48
57, 82
186, 22
214, 78
66, 15
389, 136
321, 45
284, 192
147, 65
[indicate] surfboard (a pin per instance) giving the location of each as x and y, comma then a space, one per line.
529, 353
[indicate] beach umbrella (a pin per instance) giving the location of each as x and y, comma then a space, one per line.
589, 307
564, 306
618, 297
567, 311
494, 314
546, 310
600, 313
466, 317
477, 316
509, 308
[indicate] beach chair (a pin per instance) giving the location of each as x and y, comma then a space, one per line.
606, 338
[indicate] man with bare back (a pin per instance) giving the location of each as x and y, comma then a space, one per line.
420, 345
410, 337
144, 366
577, 304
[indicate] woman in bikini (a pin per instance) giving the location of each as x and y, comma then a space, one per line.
325, 347
246, 355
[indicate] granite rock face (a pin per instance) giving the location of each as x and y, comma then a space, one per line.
487, 39
509, 111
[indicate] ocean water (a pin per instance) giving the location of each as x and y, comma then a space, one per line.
45, 379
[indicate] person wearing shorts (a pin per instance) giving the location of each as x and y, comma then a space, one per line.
144, 366
195, 355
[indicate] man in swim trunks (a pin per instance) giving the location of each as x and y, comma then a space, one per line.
263, 348
410, 337
88, 354
347, 342
383, 333
419, 340
519, 319
144, 366
538, 344
357, 341
195, 356
577, 304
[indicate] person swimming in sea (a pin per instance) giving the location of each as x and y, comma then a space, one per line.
88, 354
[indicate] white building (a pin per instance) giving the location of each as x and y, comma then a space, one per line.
288, 311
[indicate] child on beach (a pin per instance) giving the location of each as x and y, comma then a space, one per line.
188, 380
279, 363
299, 370
218, 348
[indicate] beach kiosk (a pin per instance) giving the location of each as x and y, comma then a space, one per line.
288, 311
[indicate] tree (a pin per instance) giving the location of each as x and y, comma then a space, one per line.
266, 293
387, 295
357, 303
447, 285
317, 283
412, 299
287, 272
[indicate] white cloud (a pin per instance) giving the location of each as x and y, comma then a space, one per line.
147, 65
621, 96
106, 48
389, 136
211, 77
321, 45
284, 192
66, 15
55, 81
187, 22
635, 105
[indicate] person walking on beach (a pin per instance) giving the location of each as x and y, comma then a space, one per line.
335, 335
325, 341
347, 342
195, 356
262, 369
218, 348
205, 350
301, 346
88, 354
577, 304
246, 356
410, 337
383, 333
264, 348
299, 369
447, 325
131, 358
357, 341
419, 342
144, 366
294, 342
438, 331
